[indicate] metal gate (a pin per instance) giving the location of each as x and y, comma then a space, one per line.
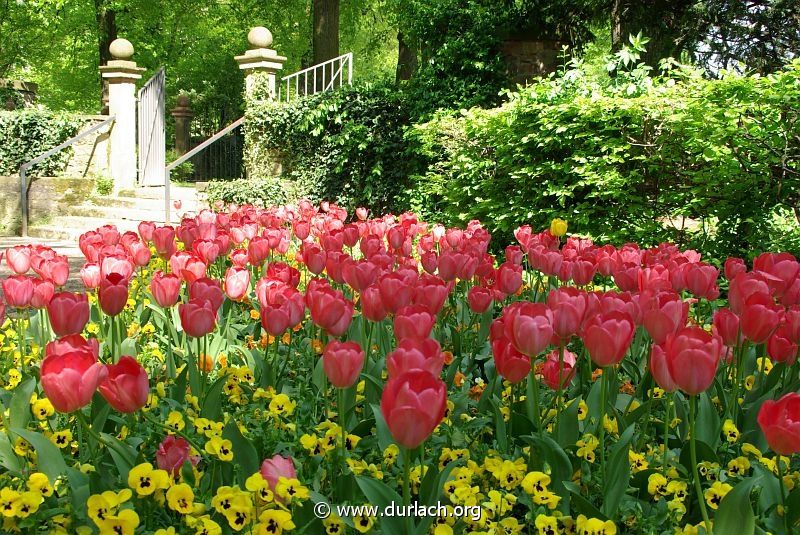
152, 137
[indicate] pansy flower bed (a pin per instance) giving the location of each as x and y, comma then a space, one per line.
262, 370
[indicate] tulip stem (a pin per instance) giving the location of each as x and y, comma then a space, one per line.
533, 394
667, 410
342, 430
786, 526
407, 488
693, 453
601, 428
99, 438
560, 385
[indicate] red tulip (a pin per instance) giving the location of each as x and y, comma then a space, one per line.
430, 291
760, 316
512, 365
18, 291
701, 280
664, 314
258, 250
165, 288
43, 291
479, 299
413, 404
780, 422
113, 293
528, 326
583, 272
726, 325
277, 467
608, 336
208, 289
780, 346
742, 287
90, 275
509, 278
792, 319
415, 355
692, 357
164, 241
70, 373
172, 454
18, 259
2, 312
371, 304
146, 229
342, 363
568, 307
198, 317
659, 369
779, 270
54, 268
330, 310
414, 321
68, 313
396, 292
237, 282
559, 376
126, 386
140, 253
734, 266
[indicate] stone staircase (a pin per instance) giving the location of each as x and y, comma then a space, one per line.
124, 209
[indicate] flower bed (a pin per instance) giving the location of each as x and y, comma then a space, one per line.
253, 370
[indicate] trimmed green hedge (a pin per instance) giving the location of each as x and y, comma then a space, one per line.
27, 133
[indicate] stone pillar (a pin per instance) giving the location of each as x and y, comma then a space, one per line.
121, 74
260, 64
183, 119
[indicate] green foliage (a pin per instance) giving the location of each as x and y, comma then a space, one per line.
104, 185
183, 172
627, 160
27, 134
346, 146
263, 191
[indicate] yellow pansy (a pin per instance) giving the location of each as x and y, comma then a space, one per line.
595, 526
657, 485
221, 448
180, 498
42, 409
715, 494
730, 431
145, 480
290, 489
40, 483
274, 522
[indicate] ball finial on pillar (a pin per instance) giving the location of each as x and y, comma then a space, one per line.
259, 37
121, 49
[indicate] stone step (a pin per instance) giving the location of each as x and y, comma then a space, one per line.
70, 227
157, 192
153, 206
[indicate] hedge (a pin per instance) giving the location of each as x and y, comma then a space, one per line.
626, 162
710, 164
26, 134
346, 146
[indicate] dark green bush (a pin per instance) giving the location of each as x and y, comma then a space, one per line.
28, 133
346, 146
264, 191
626, 161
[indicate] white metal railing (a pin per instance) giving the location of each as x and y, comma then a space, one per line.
331, 74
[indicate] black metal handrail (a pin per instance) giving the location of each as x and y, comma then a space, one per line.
23, 169
234, 125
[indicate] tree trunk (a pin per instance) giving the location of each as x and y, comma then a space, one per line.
106, 33
326, 30
406, 59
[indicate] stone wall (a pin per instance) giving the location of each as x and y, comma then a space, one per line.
90, 155
530, 58
47, 197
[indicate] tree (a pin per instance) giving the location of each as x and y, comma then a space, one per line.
326, 30
663, 22
106, 34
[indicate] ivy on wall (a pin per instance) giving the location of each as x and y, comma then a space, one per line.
26, 134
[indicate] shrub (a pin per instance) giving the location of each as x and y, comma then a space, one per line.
264, 191
28, 133
104, 185
626, 161
346, 146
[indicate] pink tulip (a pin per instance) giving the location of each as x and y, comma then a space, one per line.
18, 291
692, 357
277, 467
558, 374
68, 312
342, 363
413, 404
414, 321
237, 283
126, 385
70, 373
607, 337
